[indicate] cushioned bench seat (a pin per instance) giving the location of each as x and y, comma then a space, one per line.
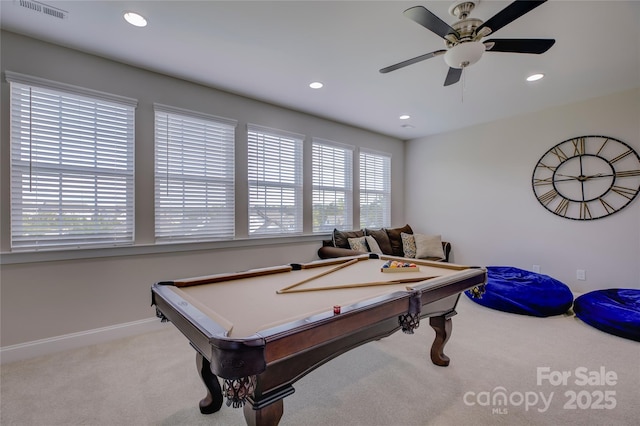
391, 241
615, 311
517, 291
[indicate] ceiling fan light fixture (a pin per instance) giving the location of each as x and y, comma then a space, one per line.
464, 54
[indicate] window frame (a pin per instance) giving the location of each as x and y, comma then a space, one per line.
337, 174
202, 183
288, 179
85, 191
384, 193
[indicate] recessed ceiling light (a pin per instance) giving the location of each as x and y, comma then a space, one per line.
316, 85
405, 117
135, 19
535, 77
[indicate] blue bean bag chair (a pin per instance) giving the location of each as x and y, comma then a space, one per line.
615, 311
517, 291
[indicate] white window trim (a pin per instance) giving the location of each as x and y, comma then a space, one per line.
334, 143
274, 131
256, 128
360, 190
81, 92
349, 192
374, 152
15, 77
207, 118
175, 110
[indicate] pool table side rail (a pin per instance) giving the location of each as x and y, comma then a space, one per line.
437, 288
210, 279
332, 261
424, 262
235, 358
366, 256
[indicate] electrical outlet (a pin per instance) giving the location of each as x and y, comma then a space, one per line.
581, 274
536, 269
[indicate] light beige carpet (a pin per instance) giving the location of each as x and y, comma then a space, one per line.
152, 380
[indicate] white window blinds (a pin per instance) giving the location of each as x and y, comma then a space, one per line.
275, 181
375, 190
72, 165
194, 176
332, 186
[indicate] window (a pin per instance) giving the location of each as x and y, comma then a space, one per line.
375, 189
275, 181
72, 165
332, 186
194, 176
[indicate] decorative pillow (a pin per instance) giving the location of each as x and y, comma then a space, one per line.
408, 245
381, 238
374, 247
358, 244
341, 238
396, 240
428, 246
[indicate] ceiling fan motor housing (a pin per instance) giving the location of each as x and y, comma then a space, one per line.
464, 48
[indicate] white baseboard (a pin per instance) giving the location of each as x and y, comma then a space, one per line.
65, 342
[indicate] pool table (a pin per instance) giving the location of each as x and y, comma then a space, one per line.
261, 330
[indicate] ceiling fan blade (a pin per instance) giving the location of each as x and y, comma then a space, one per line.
510, 14
453, 76
430, 21
411, 61
515, 45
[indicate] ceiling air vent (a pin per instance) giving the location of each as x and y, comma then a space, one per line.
45, 9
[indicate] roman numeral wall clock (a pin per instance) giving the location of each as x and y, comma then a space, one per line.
587, 177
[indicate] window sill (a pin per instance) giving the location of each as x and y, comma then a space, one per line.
8, 258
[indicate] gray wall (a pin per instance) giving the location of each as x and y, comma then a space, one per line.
474, 186
51, 294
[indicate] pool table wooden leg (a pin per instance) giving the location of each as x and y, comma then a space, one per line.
267, 416
213, 401
442, 326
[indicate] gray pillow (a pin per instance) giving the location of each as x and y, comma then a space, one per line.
428, 246
341, 238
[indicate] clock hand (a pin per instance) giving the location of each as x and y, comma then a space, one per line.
598, 175
581, 178
569, 176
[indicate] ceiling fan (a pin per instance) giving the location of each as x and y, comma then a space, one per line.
463, 38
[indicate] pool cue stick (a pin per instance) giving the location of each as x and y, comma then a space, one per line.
327, 272
328, 262
371, 284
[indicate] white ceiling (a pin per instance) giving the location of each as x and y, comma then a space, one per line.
272, 50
